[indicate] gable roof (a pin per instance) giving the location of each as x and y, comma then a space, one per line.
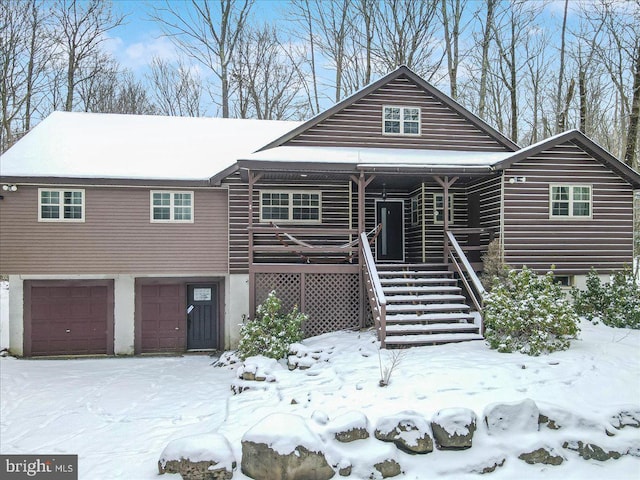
582, 141
399, 72
114, 146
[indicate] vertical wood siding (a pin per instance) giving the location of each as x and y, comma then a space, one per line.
531, 238
117, 235
360, 124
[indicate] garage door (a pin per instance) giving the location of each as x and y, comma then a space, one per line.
162, 318
68, 317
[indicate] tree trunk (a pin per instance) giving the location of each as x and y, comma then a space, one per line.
560, 117
630, 155
486, 44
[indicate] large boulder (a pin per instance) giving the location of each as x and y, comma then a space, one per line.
282, 447
510, 418
349, 427
199, 457
408, 430
453, 428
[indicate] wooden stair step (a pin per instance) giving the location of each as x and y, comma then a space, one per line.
412, 328
425, 299
417, 281
407, 340
434, 307
396, 290
429, 318
414, 274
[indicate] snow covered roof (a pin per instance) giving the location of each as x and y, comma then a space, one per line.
380, 157
94, 145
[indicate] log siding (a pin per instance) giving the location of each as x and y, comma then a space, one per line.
360, 124
573, 245
117, 235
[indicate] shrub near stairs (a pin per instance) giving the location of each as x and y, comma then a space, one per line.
529, 313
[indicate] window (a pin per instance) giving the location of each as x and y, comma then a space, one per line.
290, 206
171, 206
438, 208
570, 201
60, 205
415, 210
401, 120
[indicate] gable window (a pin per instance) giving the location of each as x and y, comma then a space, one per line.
570, 201
60, 205
169, 206
438, 208
401, 120
287, 206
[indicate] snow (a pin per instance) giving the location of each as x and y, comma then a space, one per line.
119, 414
283, 432
379, 157
4, 315
98, 145
200, 448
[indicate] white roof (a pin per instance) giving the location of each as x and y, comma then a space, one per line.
381, 157
96, 145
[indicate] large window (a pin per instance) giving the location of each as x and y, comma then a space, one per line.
438, 208
283, 206
401, 120
171, 206
570, 201
60, 205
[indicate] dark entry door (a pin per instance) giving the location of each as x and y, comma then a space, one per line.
202, 316
390, 242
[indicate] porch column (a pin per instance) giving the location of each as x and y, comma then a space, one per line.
253, 178
445, 184
362, 182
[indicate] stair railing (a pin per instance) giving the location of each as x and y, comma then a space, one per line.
376, 297
468, 276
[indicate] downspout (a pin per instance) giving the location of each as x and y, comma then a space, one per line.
501, 241
423, 203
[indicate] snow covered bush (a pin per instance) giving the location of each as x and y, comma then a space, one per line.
616, 303
270, 333
528, 313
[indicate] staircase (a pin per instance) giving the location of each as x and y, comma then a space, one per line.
425, 306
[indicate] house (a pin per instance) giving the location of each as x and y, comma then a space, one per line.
132, 234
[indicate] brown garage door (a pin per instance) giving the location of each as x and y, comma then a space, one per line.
68, 317
161, 318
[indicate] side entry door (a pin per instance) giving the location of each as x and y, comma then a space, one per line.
202, 316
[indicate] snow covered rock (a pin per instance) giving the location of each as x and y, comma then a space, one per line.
510, 418
388, 468
259, 368
590, 451
626, 418
282, 447
304, 357
199, 457
453, 428
408, 430
543, 455
349, 427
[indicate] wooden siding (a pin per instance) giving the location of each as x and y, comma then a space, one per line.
360, 124
335, 214
117, 235
573, 245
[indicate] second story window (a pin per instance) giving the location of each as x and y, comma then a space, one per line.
171, 206
401, 120
60, 205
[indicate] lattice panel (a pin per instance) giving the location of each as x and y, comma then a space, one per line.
286, 285
332, 302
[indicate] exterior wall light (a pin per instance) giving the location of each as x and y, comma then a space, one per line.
9, 188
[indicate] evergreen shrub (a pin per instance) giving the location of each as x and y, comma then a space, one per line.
529, 313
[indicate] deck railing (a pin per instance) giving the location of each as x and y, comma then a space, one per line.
464, 269
373, 288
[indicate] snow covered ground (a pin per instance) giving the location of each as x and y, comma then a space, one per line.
118, 414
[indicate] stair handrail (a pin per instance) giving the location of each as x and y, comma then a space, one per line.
478, 292
375, 294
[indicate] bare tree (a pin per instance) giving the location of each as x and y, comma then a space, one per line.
266, 75
206, 35
561, 118
451, 12
81, 31
486, 46
177, 89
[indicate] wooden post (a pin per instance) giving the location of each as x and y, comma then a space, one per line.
253, 178
445, 184
362, 185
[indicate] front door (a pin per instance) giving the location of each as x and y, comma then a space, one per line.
390, 242
202, 317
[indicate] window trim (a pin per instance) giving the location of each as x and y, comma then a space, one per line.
291, 207
61, 192
402, 133
570, 216
452, 216
171, 206
415, 210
